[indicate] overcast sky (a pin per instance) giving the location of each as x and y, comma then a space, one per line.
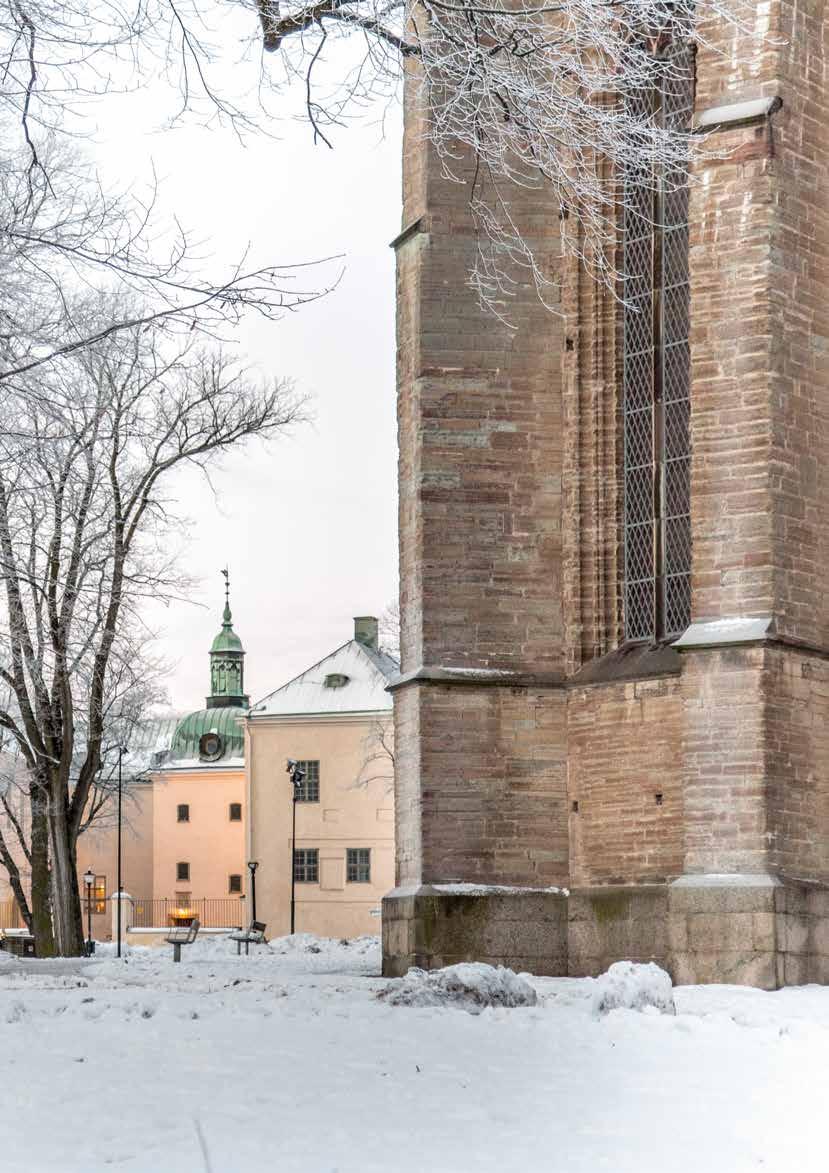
308, 525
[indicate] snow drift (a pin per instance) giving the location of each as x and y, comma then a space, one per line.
469, 986
633, 986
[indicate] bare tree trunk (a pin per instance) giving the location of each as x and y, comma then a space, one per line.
66, 901
41, 883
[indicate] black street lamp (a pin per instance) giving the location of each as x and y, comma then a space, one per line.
296, 775
252, 866
89, 880
121, 751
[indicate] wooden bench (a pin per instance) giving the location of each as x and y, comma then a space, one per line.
185, 935
254, 934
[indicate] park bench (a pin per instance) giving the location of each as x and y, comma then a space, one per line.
254, 934
185, 935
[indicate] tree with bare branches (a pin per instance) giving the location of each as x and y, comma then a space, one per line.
62, 232
86, 535
532, 92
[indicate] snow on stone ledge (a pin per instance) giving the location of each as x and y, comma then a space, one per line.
469, 889
470, 986
633, 986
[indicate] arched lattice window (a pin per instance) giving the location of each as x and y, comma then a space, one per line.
656, 375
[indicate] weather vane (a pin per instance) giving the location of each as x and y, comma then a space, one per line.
226, 574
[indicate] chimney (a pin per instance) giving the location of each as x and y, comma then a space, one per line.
365, 631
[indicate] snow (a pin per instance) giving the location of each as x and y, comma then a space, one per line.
368, 674
495, 673
633, 986
461, 889
728, 880
469, 986
287, 1060
737, 112
734, 630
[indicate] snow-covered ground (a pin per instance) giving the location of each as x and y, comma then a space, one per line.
287, 1061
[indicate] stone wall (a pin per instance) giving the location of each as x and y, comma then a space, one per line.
491, 792
796, 739
625, 792
724, 782
429, 928
639, 787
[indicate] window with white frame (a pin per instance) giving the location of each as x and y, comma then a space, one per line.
309, 789
358, 865
306, 865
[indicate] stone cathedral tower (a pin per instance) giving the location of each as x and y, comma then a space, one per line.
614, 545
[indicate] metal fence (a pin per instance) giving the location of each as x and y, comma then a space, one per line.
10, 917
223, 912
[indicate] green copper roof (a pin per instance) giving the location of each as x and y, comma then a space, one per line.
227, 640
213, 736
224, 722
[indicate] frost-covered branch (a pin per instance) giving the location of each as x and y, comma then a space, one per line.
514, 93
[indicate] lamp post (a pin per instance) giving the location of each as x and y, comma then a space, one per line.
252, 866
121, 751
296, 775
89, 880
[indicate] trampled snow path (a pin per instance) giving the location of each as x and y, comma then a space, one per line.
285, 1061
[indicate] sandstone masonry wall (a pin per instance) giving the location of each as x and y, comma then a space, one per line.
624, 777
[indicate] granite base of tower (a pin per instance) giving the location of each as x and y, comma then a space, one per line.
755, 930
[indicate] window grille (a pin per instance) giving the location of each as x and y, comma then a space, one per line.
235, 812
234, 884
358, 865
182, 871
309, 788
656, 372
183, 812
306, 865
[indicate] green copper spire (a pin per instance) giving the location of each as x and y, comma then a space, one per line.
227, 662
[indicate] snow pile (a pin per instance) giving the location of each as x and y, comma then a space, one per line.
633, 986
470, 986
331, 946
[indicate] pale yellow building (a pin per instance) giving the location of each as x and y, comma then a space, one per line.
335, 720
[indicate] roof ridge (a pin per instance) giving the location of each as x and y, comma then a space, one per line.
299, 675
381, 668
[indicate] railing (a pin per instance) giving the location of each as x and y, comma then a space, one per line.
10, 917
223, 912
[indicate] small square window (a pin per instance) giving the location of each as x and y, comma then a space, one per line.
358, 865
234, 884
306, 865
182, 871
235, 812
309, 789
183, 812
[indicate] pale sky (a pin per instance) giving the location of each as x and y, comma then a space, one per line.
308, 526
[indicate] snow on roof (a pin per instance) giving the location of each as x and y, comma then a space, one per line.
150, 742
366, 675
